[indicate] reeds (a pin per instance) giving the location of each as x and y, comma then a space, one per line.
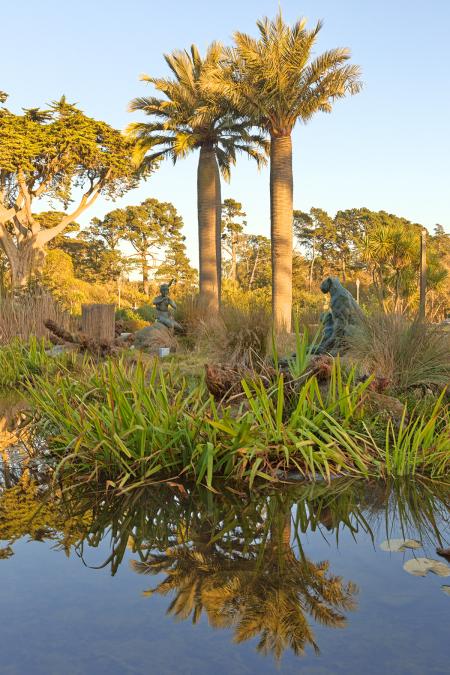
23, 316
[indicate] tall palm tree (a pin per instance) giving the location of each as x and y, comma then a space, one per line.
189, 118
275, 81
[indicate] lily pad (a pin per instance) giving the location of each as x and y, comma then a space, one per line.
445, 589
419, 567
399, 545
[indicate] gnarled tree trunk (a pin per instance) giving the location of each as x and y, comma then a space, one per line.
207, 229
24, 260
281, 196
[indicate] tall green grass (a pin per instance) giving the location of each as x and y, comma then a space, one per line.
22, 361
420, 445
128, 426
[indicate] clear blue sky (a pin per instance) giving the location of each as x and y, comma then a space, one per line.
387, 148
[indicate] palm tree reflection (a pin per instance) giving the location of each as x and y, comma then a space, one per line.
260, 589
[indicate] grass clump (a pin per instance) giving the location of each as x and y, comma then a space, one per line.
23, 361
126, 426
238, 336
407, 353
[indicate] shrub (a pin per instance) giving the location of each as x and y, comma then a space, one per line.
239, 335
407, 353
147, 313
131, 320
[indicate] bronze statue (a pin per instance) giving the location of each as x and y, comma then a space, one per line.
338, 322
162, 303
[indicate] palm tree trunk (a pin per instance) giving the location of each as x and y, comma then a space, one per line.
207, 230
281, 189
218, 229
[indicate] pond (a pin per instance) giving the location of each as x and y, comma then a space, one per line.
175, 579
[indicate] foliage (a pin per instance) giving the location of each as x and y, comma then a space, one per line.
128, 426
275, 81
21, 362
51, 154
131, 320
147, 313
407, 353
254, 263
232, 227
188, 117
24, 510
103, 256
58, 277
382, 250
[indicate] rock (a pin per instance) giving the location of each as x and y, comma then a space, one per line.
152, 338
387, 405
58, 350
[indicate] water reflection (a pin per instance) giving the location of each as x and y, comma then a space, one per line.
237, 559
264, 592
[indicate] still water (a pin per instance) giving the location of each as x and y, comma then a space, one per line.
179, 580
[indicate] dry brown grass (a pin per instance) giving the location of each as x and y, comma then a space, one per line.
24, 315
238, 336
407, 353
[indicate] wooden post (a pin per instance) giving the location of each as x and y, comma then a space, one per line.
423, 273
357, 290
98, 322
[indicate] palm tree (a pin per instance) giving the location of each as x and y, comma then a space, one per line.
275, 82
187, 119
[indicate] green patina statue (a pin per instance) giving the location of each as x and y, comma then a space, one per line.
343, 315
162, 303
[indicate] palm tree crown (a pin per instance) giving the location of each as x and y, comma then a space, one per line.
274, 81
190, 117
178, 129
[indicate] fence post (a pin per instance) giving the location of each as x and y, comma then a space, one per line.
98, 322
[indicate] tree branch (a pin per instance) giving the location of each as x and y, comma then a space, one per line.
7, 243
89, 197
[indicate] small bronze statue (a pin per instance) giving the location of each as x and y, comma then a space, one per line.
162, 303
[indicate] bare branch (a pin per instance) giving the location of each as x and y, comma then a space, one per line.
86, 201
